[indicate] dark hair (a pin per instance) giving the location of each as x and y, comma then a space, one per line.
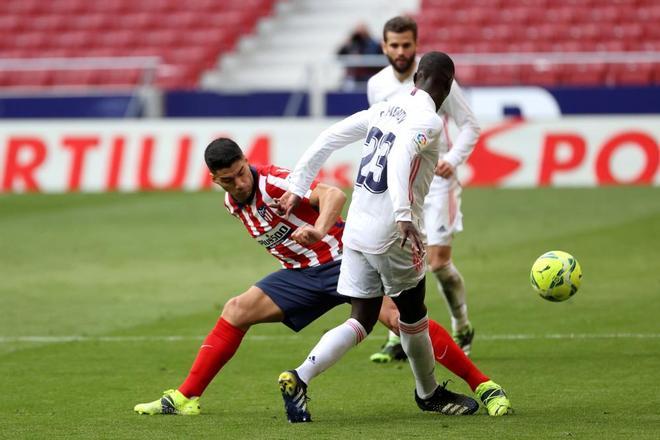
222, 153
400, 24
436, 65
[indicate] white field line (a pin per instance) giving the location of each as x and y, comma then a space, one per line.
495, 337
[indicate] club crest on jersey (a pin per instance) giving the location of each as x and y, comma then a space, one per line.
275, 236
265, 213
421, 139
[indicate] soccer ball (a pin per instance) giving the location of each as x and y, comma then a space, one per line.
556, 276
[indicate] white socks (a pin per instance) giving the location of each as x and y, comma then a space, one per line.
451, 283
332, 346
417, 345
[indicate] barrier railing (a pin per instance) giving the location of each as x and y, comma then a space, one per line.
144, 94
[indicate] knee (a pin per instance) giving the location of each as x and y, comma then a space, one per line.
438, 261
368, 325
413, 315
366, 320
234, 312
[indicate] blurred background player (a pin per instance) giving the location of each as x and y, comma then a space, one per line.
443, 217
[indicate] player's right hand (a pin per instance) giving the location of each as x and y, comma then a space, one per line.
286, 204
407, 230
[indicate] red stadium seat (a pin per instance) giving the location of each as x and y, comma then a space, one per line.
67, 7
47, 23
74, 77
466, 74
138, 21
540, 75
633, 74
70, 40
29, 78
496, 75
119, 77
583, 75
119, 38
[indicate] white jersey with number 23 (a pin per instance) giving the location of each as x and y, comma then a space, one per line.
399, 155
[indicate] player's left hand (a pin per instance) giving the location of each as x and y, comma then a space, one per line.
286, 204
407, 230
444, 169
306, 235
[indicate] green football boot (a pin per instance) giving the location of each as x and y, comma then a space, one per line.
494, 398
463, 338
172, 402
390, 351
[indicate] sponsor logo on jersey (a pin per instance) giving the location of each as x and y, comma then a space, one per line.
421, 139
275, 236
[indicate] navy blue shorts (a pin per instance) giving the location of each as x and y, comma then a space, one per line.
304, 294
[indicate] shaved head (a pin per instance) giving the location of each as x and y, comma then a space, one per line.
435, 74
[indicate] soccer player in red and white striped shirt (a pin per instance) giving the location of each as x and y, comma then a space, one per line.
308, 244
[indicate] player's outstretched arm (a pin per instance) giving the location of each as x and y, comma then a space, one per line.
339, 135
330, 201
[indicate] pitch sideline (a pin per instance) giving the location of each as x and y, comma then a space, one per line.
177, 338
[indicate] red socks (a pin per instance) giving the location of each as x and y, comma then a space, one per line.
223, 341
452, 357
218, 347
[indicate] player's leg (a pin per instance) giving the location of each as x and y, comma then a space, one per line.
219, 346
414, 331
331, 347
450, 355
450, 282
337, 341
357, 277
238, 314
443, 218
391, 350
445, 350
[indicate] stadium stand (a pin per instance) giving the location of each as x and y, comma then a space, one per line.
198, 40
302, 36
545, 26
188, 36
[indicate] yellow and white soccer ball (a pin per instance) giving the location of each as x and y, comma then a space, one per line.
556, 276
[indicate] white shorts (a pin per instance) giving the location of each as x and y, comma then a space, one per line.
365, 275
442, 211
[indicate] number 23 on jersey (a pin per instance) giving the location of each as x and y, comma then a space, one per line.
373, 167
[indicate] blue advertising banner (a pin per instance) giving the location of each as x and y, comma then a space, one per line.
487, 102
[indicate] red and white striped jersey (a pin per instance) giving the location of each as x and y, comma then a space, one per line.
273, 231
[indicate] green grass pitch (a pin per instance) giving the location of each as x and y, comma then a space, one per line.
139, 279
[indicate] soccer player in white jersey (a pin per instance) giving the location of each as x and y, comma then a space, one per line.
442, 213
383, 248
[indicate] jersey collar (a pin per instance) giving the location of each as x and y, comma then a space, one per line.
424, 98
